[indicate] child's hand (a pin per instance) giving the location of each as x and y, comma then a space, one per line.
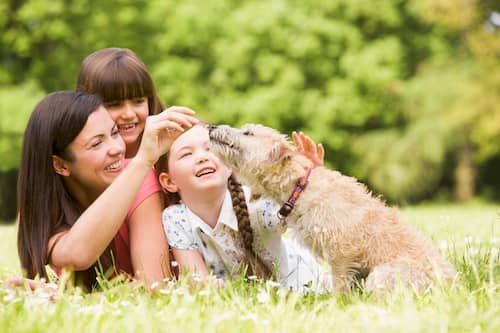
306, 146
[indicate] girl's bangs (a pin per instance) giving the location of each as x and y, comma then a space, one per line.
124, 82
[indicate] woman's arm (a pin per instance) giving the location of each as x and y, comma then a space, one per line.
148, 244
87, 239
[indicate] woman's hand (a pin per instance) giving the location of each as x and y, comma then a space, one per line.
306, 146
162, 129
40, 287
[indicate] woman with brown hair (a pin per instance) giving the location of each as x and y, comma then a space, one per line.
75, 193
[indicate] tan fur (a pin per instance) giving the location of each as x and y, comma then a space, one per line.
336, 216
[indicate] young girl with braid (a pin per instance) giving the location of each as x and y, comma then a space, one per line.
215, 230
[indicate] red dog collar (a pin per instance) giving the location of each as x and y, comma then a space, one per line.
287, 207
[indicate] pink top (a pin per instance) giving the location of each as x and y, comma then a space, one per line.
123, 258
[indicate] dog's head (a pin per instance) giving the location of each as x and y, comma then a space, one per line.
260, 155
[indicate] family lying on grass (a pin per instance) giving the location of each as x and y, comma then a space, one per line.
89, 197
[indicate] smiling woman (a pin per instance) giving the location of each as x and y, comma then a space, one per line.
78, 202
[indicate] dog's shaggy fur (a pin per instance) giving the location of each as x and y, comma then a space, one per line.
335, 216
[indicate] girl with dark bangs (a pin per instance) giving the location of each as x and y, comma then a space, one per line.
74, 191
126, 88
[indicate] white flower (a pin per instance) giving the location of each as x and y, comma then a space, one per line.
473, 251
272, 284
125, 303
196, 277
174, 263
155, 285
165, 291
250, 316
205, 292
263, 297
252, 277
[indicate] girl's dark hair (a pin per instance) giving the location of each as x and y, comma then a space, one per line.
116, 74
45, 205
255, 264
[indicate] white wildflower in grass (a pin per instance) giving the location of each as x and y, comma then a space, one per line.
165, 291
91, 309
196, 277
125, 303
154, 285
9, 297
252, 277
174, 263
250, 316
204, 292
116, 313
473, 251
272, 284
263, 296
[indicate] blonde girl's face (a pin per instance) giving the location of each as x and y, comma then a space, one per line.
130, 116
193, 169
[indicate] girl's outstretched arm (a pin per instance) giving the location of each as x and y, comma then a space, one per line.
306, 146
190, 261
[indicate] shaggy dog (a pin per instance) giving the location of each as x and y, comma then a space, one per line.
335, 215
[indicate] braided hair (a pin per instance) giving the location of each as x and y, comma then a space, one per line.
255, 264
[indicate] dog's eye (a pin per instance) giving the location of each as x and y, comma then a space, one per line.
247, 132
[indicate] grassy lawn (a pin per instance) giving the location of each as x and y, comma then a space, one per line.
469, 236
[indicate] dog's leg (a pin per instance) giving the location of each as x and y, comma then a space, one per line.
343, 277
388, 277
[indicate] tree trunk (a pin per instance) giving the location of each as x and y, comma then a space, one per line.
465, 174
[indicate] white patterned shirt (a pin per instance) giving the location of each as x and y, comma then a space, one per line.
223, 250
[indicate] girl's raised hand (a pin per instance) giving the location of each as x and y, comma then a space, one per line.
306, 146
162, 129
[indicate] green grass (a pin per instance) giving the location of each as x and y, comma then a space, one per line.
469, 236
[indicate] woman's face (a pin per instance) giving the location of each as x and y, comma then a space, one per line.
130, 115
98, 155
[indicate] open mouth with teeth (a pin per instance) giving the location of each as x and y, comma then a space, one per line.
115, 166
205, 172
127, 127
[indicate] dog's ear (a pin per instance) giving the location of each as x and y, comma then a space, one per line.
280, 152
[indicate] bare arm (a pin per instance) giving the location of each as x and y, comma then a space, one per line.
190, 261
87, 239
148, 244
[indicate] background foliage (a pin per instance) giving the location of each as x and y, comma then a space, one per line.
403, 94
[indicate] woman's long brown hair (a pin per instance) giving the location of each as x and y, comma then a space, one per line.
116, 74
45, 205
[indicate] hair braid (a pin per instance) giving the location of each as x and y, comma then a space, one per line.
256, 266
